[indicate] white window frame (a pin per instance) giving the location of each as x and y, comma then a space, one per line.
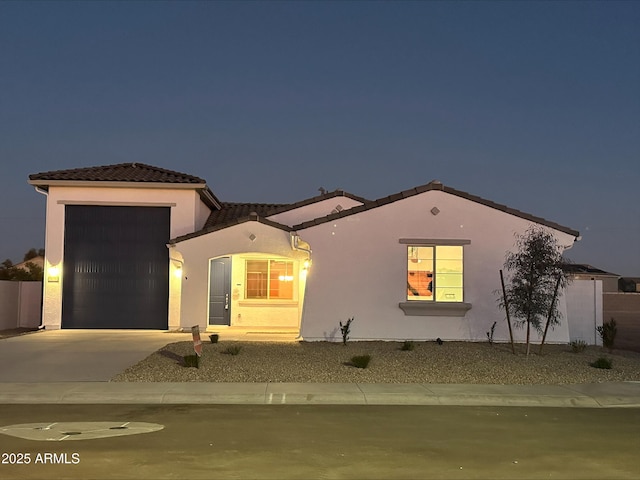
268, 298
433, 307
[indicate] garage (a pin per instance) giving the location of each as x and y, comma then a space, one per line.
116, 267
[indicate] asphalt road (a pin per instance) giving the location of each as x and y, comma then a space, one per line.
328, 442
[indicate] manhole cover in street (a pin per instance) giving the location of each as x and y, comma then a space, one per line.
56, 432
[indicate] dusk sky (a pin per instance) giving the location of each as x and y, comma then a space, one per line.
535, 105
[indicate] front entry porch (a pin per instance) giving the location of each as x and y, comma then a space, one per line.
252, 334
255, 295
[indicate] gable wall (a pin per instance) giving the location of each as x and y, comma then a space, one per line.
359, 270
314, 210
183, 220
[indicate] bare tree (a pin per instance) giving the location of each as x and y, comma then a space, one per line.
535, 277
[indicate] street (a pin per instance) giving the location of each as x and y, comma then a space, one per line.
329, 441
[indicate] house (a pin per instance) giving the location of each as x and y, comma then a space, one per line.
137, 246
38, 261
629, 284
583, 271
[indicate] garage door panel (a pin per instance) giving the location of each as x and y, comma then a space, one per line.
116, 267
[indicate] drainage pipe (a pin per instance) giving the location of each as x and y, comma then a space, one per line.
44, 192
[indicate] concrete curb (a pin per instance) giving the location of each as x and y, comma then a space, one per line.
602, 395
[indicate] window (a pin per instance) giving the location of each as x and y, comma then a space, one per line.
269, 279
435, 273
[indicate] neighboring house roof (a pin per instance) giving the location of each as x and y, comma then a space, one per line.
39, 261
435, 185
124, 173
586, 269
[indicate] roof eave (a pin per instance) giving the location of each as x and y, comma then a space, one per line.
109, 184
316, 199
369, 205
232, 223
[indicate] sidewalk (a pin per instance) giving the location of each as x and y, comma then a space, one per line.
602, 395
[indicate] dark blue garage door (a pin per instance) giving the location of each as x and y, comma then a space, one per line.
116, 267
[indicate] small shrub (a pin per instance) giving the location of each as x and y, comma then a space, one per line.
361, 361
191, 361
602, 362
214, 338
490, 333
407, 346
345, 329
232, 350
578, 346
439, 341
608, 331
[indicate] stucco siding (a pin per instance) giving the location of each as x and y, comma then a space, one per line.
359, 270
202, 212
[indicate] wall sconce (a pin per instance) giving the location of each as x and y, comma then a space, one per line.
53, 274
178, 272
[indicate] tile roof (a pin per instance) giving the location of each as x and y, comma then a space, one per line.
225, 213
234, 213
318, 198
434, 185
230, 212
578, 268
251, 217
122, 172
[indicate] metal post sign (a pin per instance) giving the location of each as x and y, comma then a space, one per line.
197, 344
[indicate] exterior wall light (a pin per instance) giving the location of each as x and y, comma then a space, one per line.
53, 274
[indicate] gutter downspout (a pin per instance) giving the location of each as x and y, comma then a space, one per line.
295, 239
42, 191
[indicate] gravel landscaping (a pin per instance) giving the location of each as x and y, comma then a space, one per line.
428, 362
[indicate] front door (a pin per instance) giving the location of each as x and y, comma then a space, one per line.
220, 291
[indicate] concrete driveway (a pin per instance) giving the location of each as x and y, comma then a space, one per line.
78, 355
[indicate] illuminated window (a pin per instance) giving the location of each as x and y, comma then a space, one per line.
269, 279
435, 273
